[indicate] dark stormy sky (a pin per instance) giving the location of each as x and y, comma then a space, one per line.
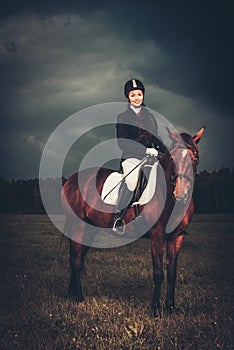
57, 57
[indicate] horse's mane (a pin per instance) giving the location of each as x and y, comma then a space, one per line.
188, 139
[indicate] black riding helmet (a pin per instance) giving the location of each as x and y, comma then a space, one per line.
133, 84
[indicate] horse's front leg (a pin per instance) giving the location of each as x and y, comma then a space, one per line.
77, 253
157, 245
173, 248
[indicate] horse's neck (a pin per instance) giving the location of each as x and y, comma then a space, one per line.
168, 165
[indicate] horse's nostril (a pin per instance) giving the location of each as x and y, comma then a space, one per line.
179, 198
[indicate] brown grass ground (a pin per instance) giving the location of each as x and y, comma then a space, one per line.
36, 313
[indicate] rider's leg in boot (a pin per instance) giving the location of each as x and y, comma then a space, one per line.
125, 196
147, 170
138, 221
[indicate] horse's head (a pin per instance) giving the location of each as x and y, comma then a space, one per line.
184, 150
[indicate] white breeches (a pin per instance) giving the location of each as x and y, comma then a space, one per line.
132, 178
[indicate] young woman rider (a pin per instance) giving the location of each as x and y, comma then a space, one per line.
136, 142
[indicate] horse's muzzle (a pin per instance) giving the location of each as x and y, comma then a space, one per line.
181, 198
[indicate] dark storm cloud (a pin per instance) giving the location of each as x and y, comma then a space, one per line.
10, 46
199, 38
57, 57
198, 35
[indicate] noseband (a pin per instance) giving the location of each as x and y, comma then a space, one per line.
180, 175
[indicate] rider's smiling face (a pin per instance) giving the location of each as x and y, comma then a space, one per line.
136, 98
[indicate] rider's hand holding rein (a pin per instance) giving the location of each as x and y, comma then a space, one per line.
151, 152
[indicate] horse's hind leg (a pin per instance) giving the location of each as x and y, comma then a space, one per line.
77, 254
157, 246
173, 248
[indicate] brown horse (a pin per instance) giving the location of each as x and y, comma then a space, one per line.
163, 227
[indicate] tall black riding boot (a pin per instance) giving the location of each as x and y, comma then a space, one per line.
139, 221
125, 196
147, 170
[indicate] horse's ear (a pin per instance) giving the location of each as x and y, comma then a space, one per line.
199, 134
173, 135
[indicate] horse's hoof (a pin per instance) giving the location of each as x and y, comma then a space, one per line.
156, 311
74, 297
170, 309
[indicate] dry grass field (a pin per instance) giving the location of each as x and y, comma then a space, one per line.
37, 314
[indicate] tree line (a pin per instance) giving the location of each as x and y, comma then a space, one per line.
213, 193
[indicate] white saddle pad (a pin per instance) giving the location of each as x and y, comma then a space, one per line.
111, 187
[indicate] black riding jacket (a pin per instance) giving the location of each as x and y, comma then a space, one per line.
134, 131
